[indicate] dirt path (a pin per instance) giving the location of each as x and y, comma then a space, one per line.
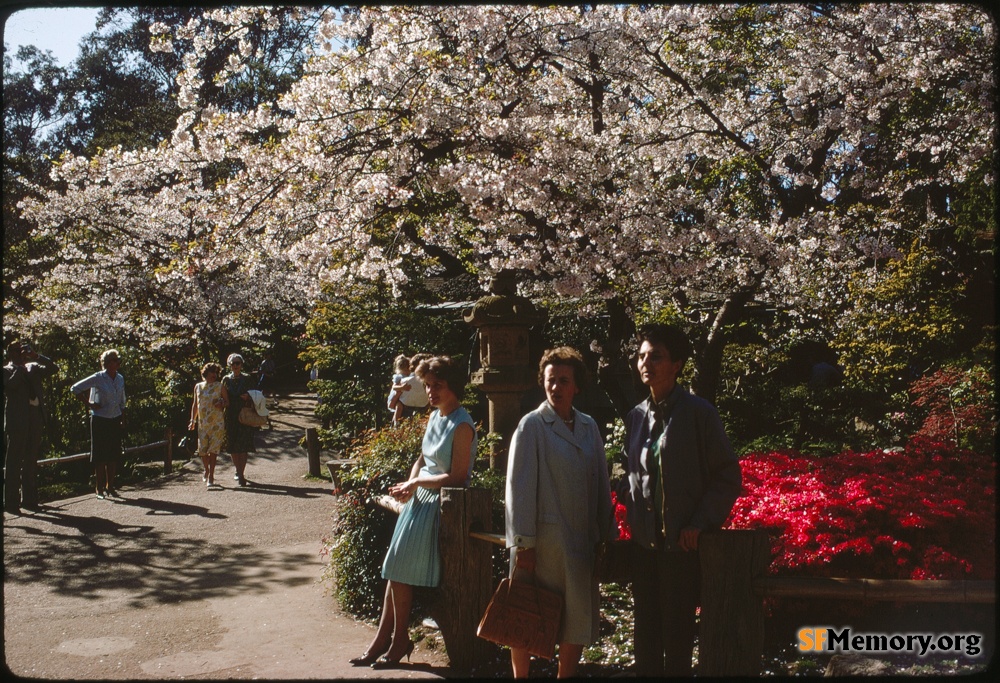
177, 581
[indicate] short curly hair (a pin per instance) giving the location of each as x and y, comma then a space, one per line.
564, 355
211, 367
444, 368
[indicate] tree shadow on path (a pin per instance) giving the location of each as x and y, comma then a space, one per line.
140, 564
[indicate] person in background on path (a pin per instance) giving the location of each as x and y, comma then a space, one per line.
401, 367
239, 437
558, 506
413, 558
23, 419
208, 415
104, 395
265, 374
683, 478
412, 394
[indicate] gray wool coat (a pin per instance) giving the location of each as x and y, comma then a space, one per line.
559, 502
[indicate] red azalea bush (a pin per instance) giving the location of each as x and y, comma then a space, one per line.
926, 513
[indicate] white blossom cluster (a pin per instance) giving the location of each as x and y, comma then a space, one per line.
714, 151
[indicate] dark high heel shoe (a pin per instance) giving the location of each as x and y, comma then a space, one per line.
384, 662
368, 658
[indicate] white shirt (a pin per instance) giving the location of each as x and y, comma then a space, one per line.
416, 396
107, 392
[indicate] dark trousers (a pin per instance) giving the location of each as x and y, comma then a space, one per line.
666, 589
24, 444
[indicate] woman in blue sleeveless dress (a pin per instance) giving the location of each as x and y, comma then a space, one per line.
413, 559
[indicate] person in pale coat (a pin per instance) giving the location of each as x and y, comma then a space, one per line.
558, 506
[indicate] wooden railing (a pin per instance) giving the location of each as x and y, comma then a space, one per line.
167, 444
734, 584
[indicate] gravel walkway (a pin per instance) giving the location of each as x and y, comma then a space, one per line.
179, 581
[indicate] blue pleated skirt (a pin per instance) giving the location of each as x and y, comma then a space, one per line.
414, 557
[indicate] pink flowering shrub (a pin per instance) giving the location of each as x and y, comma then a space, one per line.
926, 513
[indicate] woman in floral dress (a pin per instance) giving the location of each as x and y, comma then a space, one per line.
207, 412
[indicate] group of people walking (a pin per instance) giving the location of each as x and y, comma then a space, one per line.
215, 414
682, 478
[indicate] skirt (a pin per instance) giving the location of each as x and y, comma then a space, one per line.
413, 557
106, 439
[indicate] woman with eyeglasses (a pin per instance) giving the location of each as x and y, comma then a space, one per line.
239, 437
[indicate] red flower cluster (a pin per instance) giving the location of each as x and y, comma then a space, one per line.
621, 517
926, 513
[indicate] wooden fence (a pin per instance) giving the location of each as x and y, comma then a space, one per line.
167, 444
734, 584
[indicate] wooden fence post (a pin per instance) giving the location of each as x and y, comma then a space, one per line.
312, 446
731, 637
168, 461
466, 575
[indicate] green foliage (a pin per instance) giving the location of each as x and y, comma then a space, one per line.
903, 321
353, 341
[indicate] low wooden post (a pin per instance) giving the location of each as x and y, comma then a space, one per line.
731, 637
168, 461
312, 446
466, 575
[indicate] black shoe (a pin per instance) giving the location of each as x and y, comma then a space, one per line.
111, 493
242, 481
368, 658
385, 662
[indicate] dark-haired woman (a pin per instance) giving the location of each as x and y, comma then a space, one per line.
413, 558
239, 437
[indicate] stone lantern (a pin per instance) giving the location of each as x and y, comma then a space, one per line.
504, 320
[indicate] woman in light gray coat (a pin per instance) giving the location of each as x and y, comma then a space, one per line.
558, 505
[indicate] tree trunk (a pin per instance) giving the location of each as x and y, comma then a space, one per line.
708, 363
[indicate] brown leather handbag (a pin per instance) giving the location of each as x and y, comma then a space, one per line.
522, 615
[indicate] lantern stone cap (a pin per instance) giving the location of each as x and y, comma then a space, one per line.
502, 306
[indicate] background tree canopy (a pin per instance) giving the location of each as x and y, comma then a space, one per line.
770, 174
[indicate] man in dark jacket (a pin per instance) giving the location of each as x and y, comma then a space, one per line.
23, 418
683, 478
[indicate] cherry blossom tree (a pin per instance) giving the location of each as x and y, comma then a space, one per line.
710, 158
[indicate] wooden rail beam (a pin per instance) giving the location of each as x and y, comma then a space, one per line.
876, 589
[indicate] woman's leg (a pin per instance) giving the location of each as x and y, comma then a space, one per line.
100, 477
402, 601
520, 662
569, 659
111, 467
240, 462
204, 464
212, 459
383, 636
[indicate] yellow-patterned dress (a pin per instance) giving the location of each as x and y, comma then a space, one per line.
211, 421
